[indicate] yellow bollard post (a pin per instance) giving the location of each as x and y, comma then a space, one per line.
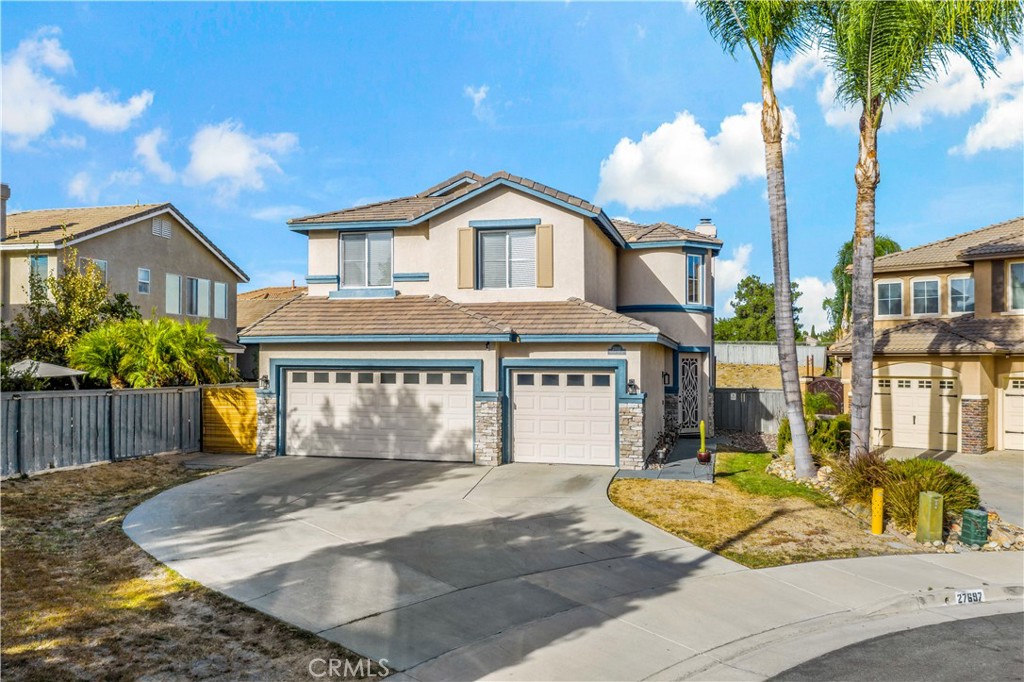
876, 511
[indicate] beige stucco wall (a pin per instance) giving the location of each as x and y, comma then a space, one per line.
943, 275
323, 260
600, 258
14, 275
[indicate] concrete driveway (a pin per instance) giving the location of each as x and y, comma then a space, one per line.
517, 572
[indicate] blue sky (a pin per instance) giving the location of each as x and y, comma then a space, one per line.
244, 115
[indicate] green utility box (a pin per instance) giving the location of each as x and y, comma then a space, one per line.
975, 527
929, 517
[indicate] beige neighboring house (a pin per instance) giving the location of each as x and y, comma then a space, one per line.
252, 305
489, 319
949, 343
151, 252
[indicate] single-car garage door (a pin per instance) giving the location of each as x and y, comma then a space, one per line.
563, 417
1013, 415
916, 413
380, 413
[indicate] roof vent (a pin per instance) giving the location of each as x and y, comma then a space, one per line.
707, 228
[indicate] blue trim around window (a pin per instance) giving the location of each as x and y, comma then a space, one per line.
411, 277
321, 279
688, 246
363, 292
376, 338
278, 366
673, 388
506, 366
599, 338
665, 308
498, 224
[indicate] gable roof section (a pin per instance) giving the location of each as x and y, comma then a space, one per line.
658, 234
964, 335
258, 303
413, 210
49, 228
945, 252
1010, 246
562, 318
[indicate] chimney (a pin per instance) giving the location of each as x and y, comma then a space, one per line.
706, 228
5, 194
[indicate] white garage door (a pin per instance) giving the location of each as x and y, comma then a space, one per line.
563, 417
380, 413
916, 413
1013, 415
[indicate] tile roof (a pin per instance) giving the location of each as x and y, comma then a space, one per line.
252, 305
52, 225
634, 233
964, 335
1010, 245
944, 253
417, 315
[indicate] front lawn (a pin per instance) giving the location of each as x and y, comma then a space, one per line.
82, 601
751, 517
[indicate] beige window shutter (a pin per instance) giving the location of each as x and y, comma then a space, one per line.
467, 259
545, 256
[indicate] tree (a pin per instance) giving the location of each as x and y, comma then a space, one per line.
838, 306
151, 353
754, 320
766, 28
881, 52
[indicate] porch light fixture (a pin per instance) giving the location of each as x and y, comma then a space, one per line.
631, 387
264, 382
666, 378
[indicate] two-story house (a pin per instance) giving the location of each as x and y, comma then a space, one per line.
489, 319
949, 343
151, 252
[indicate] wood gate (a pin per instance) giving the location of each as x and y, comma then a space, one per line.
229, 419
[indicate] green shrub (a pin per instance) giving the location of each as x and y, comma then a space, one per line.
827, 436
853, 481
784, 437
907, 479
818, 403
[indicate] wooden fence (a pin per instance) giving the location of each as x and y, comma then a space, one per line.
751, 410
229, 419
56, 429
765, 354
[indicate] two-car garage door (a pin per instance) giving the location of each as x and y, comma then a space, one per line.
380, 413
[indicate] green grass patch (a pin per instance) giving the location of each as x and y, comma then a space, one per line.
746, 471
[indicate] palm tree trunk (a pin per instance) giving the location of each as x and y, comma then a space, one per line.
771, 129
867, 178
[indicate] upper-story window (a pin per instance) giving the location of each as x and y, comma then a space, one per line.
694, 278
101, 265
926, 297
197, 297
365, 259
890, 298
1016, 286
508, 259
144, 280
961, 294
220, 300
172, 296
39, 270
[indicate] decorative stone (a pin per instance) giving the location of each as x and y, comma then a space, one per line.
266, 423
488, 437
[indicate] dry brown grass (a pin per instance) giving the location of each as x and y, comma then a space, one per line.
756, 530
82, 601
752, 376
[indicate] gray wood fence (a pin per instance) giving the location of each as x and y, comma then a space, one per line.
765, 354
752, 410
56, 429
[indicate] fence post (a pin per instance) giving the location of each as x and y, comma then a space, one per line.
17, 439
181, 420
109, 396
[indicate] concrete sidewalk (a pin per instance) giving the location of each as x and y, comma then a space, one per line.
527, 572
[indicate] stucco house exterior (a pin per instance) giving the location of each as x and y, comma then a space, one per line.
489, 319
949, 343
151, 252
251, 306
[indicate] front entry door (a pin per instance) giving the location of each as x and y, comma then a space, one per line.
691, 403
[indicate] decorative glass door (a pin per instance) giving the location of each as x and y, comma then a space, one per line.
690, 395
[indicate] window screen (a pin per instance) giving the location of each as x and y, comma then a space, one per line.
522, 259
220, 300
492, 260
353, 260
379, 259
173, 295
204, 297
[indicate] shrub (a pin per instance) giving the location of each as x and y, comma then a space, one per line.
907, 479
784, 436
831, 436
853, 480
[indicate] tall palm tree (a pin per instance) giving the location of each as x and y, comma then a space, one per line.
767, 28
883, 51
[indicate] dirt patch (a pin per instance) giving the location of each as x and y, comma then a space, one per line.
753, 376
757, 530
82, 601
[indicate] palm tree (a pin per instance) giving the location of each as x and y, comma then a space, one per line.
101, 353
883, 51
837, 306
767, 28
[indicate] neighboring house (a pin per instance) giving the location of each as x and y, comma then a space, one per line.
252, 305
489, 319
949, 343
151, 252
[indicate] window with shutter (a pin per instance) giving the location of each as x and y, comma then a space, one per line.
508, 258
522, 261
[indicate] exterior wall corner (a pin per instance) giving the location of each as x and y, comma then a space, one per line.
631, 436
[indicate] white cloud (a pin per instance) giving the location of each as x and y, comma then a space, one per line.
32, 99
147, 150
86, 189
813, 293
231, 159
728, 273
66, 141
955, 92
678, 164
279, 214
482, 111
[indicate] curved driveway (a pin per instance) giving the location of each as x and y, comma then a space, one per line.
516, 572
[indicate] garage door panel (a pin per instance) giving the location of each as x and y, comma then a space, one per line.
1013, 415
916, 413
